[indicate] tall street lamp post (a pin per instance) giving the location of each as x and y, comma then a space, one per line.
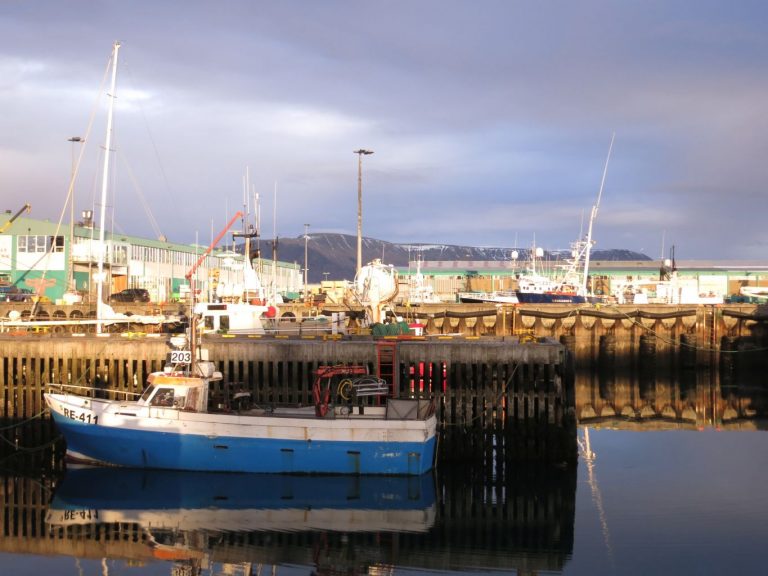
360, 153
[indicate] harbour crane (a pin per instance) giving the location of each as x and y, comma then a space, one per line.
4, 227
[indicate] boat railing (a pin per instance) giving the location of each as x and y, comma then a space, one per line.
92, 391
364, 386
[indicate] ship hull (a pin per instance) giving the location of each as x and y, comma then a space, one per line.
124, 434
555, 298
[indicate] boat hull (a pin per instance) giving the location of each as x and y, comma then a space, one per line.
111, 433
554, 298
488, 298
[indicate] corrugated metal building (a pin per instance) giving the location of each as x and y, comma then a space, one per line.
38, 254
720, 278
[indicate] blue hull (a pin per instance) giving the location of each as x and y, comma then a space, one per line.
549, 298
170, 451
128, 489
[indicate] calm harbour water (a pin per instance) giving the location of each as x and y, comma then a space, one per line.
661, 499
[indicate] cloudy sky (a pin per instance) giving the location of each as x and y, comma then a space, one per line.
490, 120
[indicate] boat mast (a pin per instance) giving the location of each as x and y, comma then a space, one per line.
592, 216
247, 233
104, 183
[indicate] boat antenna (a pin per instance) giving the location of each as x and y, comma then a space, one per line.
592, 217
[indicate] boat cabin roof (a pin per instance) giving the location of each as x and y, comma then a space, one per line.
174, 380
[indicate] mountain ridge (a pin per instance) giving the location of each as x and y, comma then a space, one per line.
334, 255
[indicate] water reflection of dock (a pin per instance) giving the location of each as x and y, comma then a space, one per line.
681, 399
521, 520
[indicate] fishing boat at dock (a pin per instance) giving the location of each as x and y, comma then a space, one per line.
183, 421
178, 423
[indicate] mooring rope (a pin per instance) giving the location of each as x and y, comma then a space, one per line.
17, 424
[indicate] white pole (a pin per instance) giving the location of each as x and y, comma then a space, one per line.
104, 183
592, 219
274, 255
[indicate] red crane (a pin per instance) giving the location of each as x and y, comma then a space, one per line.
188, 275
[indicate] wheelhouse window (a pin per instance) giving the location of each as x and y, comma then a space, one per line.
147, 393
163, 397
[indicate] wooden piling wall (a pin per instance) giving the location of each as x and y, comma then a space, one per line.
701, 335
491, 395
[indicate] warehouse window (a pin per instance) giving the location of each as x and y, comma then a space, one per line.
57, 242
37, 243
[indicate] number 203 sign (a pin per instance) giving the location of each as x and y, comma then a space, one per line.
181, 357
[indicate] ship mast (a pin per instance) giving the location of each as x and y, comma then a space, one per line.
104, 184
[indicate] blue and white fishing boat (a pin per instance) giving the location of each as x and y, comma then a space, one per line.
175, 426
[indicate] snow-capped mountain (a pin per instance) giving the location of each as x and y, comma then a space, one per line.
336, 254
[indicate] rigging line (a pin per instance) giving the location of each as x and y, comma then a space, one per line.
142, 198
151, 137
86, 139
73, 178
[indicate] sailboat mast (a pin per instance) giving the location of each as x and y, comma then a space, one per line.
104, 184
592, 217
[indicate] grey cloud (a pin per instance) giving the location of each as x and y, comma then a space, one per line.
488, 119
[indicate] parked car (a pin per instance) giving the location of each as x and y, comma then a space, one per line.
130, 295
15, 294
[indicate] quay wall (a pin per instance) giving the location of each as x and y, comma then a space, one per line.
624, 336
620, 337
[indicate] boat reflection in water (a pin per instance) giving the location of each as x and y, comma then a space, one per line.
195, 519
519, 518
